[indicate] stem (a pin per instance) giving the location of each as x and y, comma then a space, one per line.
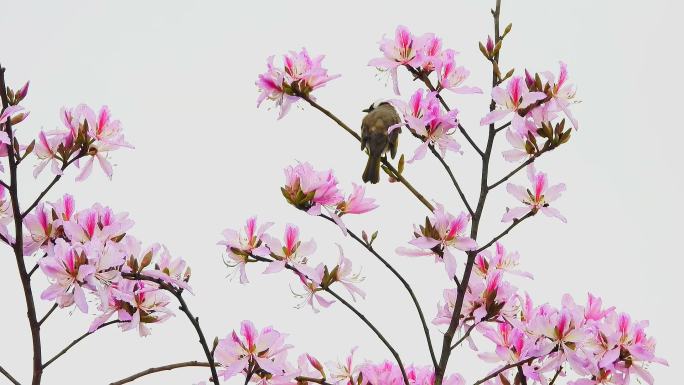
555, 376
453, 178
390, 170
504, 126
74, 342
45, 317
49, 186
186, 310
515, 170
375, 330
9, 376
503, 233
403, 281
505, 368
19, 244
456, 315
354, 310
465, 336
160, 369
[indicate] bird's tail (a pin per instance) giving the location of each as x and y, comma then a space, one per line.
372, 171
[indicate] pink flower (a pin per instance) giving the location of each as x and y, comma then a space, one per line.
40, 229
403, 50
173, 271
438, 236
105, 135
265, 349
343, 273
514, 98
68, 270
13, 113
239, 247
6, 213
486, 262
149, 305
424, 117
562, 93
451, 76
311, 279
357, 203
344, 373
537, 199
309, 190
299, 76
46, 151
293, 252
431, 54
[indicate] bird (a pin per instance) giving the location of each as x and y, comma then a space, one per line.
380, 116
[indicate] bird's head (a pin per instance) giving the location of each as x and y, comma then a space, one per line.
375, 105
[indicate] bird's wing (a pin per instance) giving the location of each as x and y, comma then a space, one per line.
365, 131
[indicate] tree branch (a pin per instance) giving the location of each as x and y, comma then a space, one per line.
515, 170
505, 368
465, 336
158, 369
45, 317
18, 246
453, 179
9, 376
74, 342
408, 288
390, 170
186, 310
503, 233
355, 311
49, 186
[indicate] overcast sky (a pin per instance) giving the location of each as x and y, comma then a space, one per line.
180, 76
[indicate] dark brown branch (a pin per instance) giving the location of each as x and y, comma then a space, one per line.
453, 179
18, 246
505, 368
45, 317
160, 369
74, 342
515, 170
465, 336
355, 311
186, 310
49, 186
9, 376
555, 376
390, 170
503, 233
474, 227
408, 288
502, 127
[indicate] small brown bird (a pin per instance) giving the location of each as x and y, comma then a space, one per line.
379, 118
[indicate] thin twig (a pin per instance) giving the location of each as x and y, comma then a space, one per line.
505, 368
504, 126
515, 170
158, 369
178, 293
77, 340
355, 311
465, 336
555, 376
390, 170
49, 186
453, 179
9, 376
503, 233
45, 317
408, 288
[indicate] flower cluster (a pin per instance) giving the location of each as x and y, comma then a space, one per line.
255, 245
439, 236
90, 252
422, 55
389, 373
86, 134
425, 118
297, 78
533, 106
313, 191
598, 344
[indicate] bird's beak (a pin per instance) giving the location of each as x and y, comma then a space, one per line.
367, 110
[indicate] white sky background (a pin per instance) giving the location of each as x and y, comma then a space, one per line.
180, 76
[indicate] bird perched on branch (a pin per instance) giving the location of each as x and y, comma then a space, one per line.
374, 137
